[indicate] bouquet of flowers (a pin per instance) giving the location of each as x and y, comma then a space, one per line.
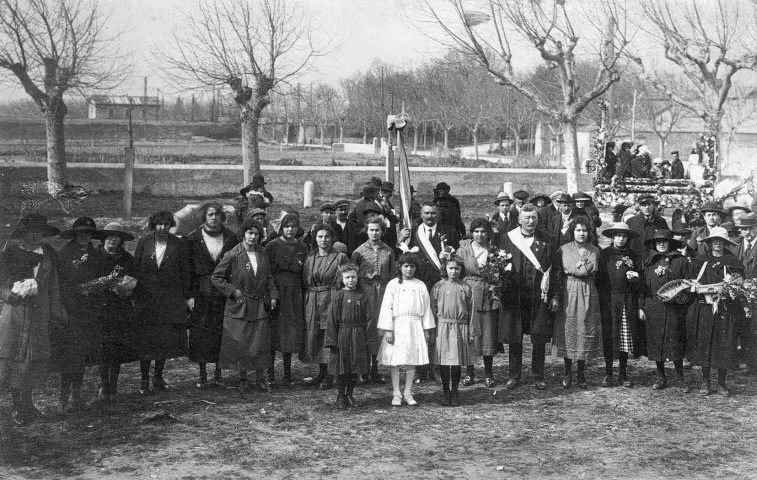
597, 161
125, 286
103, 283
737, 287
26, 288
498, 272
706, 143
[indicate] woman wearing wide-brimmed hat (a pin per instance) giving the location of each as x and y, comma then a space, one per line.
117, 310
77, 346
665, 322
711, 330
29, 290
618, 286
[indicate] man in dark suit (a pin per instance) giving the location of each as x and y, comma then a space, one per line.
747, 253
207, 245
713, 214
558, 225
645, 223
527, 310
369, 195
350, 233
676, 166
543, 205
430, 237
505, 218
448, 209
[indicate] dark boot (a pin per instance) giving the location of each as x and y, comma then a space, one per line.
316, 381
341, 399
456, 372
65, 393
376, 377
202, 380
114, 372
287, 379
27, 405
351, 381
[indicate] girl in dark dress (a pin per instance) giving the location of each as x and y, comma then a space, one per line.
163, 299
116, 310
711, 326
666, 322
286, 255
345, 335
77, 345
618, 284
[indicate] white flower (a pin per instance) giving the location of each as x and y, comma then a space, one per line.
26, 288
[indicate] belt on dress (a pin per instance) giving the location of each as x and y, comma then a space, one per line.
453, 320
322, 288
407, 317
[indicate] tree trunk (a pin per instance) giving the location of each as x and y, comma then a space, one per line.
475, 143
662, 146
250, 149
341, 133
55, 114
571, 159
321, 129
446, 139
365, 133
425, 128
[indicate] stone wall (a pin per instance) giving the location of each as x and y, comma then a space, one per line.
285, 182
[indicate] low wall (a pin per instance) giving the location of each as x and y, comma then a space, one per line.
285, 182
365, 149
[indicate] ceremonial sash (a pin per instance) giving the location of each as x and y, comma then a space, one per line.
517, 239
428, 249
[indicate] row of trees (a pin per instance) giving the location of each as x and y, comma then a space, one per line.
255, 49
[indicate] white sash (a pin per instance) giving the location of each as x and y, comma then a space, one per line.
428, 248
517, 238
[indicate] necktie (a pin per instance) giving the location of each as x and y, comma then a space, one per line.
430, 235
748, 251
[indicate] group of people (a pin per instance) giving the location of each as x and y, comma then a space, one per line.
635, 161
356, 291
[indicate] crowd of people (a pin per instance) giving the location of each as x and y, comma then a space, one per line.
357, 291
635, 161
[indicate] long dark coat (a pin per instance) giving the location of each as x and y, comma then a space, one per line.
523, 312
24, 339
321, 278
350, 236
666, 322
161, 298
676, 169
288, 320
615, 293
345, 332
711, 336
119, 326
79, 342
246, 343
206, 320
503, 226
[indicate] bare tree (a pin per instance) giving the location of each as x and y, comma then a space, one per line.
739, 110
248, 46
54, 47
710, 42
663, 115
486, 30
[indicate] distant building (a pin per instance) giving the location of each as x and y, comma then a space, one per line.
118, 106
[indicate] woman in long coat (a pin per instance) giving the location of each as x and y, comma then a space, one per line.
207, 245
77, 345
711, 331
474, 254
666, 322
618, 282
25, 322
244, 276
286, 255
119, 327
321, 277
162, 261
578, 329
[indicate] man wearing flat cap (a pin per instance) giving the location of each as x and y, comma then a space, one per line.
559, 224
350, 236
645, 223
713, 214
521, 198
328, 217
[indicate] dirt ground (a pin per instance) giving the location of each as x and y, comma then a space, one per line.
295, 432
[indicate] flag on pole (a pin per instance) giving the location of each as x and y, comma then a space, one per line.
406, 196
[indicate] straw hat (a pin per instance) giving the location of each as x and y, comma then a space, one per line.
115, 228
503, 197
620, 227
719, 233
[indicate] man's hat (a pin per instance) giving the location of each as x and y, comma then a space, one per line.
675, 152
368, 191
712, 207
731, 228
663, 235
732, 208
256, 211
544, 196
81, 224
620, 227
746, 221
564, 198
34, 221
327, 206
521, 195
387, 186
719, 233
582, 197
372, 207
115, 228
374, 182
502, 197
342, 202
442, 186
258, 181
643, 199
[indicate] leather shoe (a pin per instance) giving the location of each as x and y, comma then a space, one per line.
705, 389
567, 381
202, 384
683, 384
581, 381
287, 381
263, 386
625, 381
455, 400
512, 384
489, 382
159, 384
351, 403
327, 383
540, 385
660, 383
365, 378
446, 399
468, 381
341, 401
377, 378
607, 381
723, 391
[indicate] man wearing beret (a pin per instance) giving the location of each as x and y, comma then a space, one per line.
645, 223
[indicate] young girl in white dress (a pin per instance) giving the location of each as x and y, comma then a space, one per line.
404, 321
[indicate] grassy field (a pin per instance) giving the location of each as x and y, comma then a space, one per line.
296, 433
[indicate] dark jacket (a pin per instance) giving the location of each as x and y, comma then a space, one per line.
427, 271
677, 170
202, 265
645, 228
624, 164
